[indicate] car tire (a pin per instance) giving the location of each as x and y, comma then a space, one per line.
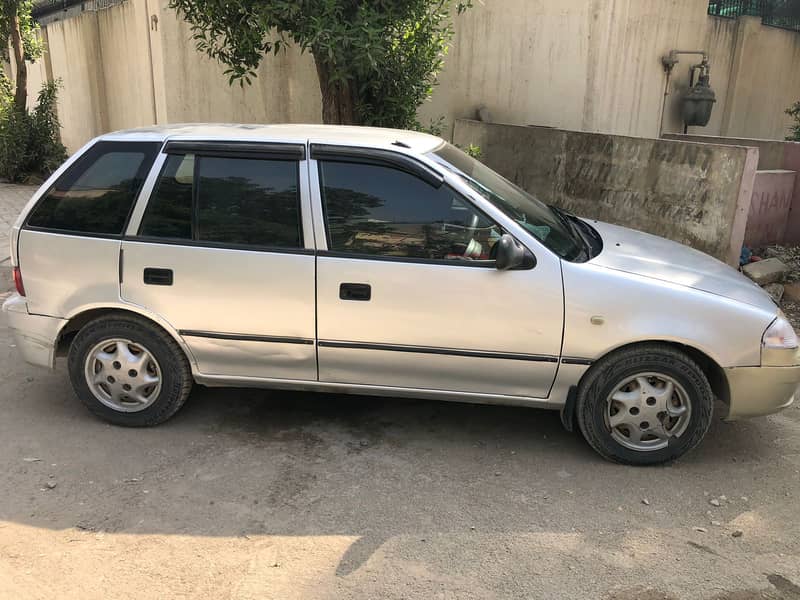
644, 405
129, 372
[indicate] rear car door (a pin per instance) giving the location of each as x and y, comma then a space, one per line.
221, 252
408, 295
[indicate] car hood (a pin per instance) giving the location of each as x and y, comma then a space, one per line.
651, 256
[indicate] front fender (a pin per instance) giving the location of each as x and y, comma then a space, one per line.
606, 309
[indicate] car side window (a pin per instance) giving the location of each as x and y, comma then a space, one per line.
226, 201
96, 193
169, 211
381, 211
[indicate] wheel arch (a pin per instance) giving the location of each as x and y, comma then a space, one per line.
82, 317
710, 367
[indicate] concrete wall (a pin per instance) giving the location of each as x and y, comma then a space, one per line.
125, 66
765, 80
773, 155
592, 65
769, 208
791, 161
74, 52
771, 152
595, 66
104, 62
696, 194
134, 64
286, 90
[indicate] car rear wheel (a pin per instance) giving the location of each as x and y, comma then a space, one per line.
644, 405
128, 372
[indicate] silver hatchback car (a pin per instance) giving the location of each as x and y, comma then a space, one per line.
378, 262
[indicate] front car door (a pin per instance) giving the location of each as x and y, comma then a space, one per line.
222, 253
408, 295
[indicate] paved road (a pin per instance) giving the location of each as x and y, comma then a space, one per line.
12, 199
259, 495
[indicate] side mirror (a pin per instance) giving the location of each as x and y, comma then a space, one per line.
512, 255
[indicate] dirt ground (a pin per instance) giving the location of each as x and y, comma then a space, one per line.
256, 494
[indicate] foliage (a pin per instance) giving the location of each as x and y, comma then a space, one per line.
29, 140
474, 151
32, 43
435, 127
794, 112
376, 60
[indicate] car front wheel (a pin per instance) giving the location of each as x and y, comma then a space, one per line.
645, 405
128, 372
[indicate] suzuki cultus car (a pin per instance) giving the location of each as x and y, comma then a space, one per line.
379, 262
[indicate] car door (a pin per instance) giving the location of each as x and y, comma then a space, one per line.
408, 295
220, 251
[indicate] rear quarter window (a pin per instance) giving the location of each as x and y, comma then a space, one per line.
96, 193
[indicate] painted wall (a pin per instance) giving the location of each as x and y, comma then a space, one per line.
765, 80
74, 51
196, 89
769, 208
125, 67
696, 194
590, 65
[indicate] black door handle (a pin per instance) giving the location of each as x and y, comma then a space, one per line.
157, 276
360, 292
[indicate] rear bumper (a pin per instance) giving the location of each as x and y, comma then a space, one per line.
35, 335
757, 391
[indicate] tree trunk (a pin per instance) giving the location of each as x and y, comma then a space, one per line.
338, 98
21, 92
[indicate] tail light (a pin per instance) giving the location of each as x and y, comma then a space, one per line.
18, 281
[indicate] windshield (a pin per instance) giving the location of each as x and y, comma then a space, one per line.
550, 226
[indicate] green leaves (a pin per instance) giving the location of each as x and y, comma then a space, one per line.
30, 144
386, 52
29, 29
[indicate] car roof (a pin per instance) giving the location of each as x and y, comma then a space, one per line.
375, 137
